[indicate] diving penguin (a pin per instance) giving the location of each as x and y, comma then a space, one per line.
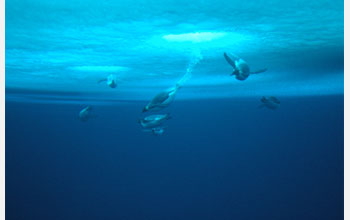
157, 131
153, 121
111, 81
85, 114
270, 102
240, 67
162, 99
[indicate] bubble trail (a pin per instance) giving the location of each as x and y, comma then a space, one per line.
196, 58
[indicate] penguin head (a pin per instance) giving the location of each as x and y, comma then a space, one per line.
112, 84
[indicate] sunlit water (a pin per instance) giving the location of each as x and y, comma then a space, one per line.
67, 46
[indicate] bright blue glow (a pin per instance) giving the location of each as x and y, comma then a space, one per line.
197, 37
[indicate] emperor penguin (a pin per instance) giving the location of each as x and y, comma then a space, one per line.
240, 67
162, 99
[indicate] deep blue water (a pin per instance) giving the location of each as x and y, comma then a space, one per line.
218, 159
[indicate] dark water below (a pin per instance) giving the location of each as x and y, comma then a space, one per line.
218, 159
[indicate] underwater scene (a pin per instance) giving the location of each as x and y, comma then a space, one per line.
164, 110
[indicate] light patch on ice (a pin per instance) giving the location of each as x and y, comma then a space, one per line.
182, 45
197, 37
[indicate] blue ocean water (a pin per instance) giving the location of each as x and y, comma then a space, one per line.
222, 154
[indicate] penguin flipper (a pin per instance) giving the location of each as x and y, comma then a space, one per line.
230, 61
102, 80
259, 71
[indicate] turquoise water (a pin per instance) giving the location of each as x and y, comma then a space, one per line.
62, 47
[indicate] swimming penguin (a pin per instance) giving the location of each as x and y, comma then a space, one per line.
153, 121
270, 102
85, 113
240, 67
157, 131
111, 81
162, 100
